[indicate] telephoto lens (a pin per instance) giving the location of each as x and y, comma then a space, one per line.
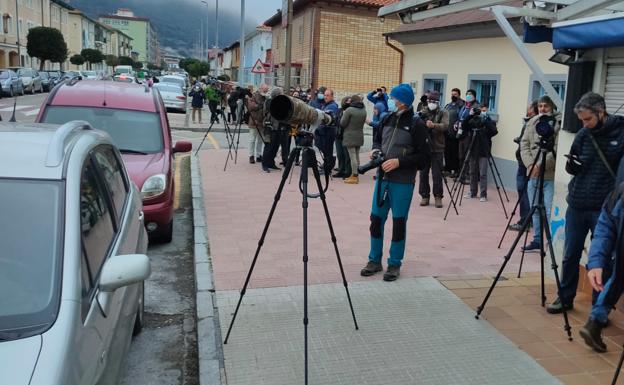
376, 161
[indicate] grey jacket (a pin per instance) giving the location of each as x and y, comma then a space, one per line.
529, 146
352, 123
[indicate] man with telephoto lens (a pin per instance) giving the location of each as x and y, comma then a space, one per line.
482, 128
277, 133
436, 120
595, 154
402, 140
529, 149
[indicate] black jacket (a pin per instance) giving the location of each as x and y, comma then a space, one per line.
486, 130
403, 136
593, 182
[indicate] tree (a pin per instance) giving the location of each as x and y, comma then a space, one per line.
92, 56
137, 65
125, 61
77, 60
186, 63
152, 66
197, 68
46, 43
112, 60
223, 78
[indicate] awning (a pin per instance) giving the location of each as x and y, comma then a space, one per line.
593, 32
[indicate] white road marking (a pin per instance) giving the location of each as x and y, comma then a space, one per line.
17, 108
31, 113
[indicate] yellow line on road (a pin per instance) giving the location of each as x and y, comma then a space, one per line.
177, 177
213, 141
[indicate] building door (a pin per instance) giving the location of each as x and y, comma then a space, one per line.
614, 88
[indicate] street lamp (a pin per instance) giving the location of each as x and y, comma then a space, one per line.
207, 24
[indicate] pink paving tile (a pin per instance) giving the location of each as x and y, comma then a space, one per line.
237, 203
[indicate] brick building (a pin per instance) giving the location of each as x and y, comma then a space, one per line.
339, 44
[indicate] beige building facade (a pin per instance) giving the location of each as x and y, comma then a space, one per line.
17, 17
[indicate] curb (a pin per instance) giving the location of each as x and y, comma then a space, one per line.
203, 129
209, 349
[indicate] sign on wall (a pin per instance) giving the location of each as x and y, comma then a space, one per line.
258, 68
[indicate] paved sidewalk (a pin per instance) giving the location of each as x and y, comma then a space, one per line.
412, 331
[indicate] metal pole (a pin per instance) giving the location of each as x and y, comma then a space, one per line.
242, 46
217, 25
17, 28
287, 59
201, 38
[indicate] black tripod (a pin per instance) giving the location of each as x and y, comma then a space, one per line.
234, 134
457, 190
546, 146
308, 163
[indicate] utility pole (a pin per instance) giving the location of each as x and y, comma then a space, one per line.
17, 28
217, 25
201, 38
288, 24
242, 45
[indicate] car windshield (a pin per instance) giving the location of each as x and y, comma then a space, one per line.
30, 261
168, 87
132, 131
54, 75
44, 75
173, 80
25, 72
4, 74
89, 73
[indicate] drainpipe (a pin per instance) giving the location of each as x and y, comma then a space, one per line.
401, 53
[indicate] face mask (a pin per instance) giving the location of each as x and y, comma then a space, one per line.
454, 98
432, 106
320, 96
392, 107
470, 98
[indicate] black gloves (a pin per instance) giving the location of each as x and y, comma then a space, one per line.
574, 166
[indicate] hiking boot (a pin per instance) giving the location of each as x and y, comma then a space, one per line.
353, 179
591, 335
370, 269
557, 307
531, 247
438, 202
392, 273
266, 169
258, 158
274, 167
252, 160
424, 201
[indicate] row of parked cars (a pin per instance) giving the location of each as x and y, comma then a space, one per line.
91, 186
21, 80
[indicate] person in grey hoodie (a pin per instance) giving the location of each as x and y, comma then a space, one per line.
352, 124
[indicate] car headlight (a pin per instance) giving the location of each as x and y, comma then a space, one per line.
154, 186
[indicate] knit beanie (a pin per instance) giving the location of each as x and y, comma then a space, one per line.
403, 93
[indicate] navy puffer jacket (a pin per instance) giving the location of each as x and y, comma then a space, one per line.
588, 188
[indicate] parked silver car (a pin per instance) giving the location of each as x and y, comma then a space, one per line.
172, 96
10, 83
73, 256
179, 80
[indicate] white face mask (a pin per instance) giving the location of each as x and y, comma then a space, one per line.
432, 106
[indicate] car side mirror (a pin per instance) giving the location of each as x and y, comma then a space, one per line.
124, 270
182, 146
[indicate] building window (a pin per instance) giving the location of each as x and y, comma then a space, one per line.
487, 88
301, 34
20, 25
557, 81
435, 82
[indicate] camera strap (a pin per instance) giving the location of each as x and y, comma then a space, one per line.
602, 156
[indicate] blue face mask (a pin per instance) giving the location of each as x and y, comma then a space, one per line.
320, 96
470, 98
392, 107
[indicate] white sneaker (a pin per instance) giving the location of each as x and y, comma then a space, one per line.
469, 196
483, 199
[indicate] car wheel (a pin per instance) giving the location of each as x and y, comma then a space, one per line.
166, 235
139, 320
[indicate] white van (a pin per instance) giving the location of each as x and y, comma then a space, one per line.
123, 70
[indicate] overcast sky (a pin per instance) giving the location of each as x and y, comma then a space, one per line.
258, 10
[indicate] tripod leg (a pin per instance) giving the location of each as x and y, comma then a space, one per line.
617, 370
317, 177
307, 162
204, 139
499, 177
546, 230
278, 194
458, 186
497, 186
526, 237
502, 268
446, 184
237, 142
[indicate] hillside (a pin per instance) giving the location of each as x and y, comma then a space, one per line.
177, 22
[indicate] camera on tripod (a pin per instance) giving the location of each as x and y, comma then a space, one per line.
289, 110
545, 128
377, 159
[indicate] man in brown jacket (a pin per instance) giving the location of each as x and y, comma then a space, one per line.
255, 106
437, 121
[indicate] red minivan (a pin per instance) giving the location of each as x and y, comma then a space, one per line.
136, 119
